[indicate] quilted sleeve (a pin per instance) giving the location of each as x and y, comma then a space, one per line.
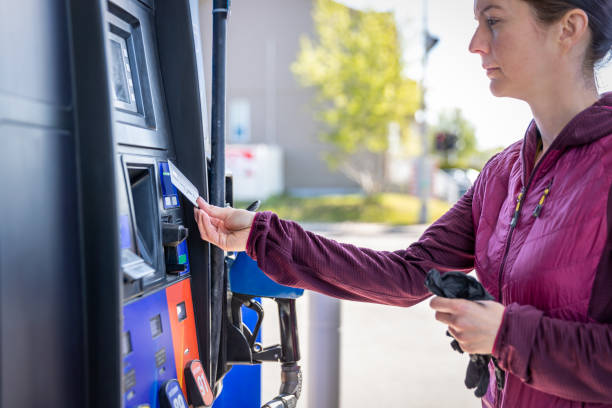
570, 360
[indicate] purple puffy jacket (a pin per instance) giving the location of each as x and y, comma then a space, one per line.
540, 240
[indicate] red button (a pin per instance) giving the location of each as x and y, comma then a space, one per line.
198, 390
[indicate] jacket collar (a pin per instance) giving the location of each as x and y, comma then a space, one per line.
588, 126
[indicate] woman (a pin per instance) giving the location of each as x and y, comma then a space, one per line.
536, 225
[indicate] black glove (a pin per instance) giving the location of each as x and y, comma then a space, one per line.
457, 285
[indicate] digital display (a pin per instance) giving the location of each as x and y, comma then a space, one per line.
120, 78
126, 343
156, 326
181, 311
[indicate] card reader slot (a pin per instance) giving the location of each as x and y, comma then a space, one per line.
146, 218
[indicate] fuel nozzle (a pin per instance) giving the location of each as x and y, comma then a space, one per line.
248, 282
287, 352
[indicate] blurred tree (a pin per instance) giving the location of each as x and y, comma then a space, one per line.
355, 67
460, 152
483, 156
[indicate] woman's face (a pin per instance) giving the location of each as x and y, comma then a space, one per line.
517, 53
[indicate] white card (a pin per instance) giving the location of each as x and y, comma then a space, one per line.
183, 184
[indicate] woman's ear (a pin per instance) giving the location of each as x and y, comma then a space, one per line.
574, 29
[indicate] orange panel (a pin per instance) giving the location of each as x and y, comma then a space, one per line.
184, 337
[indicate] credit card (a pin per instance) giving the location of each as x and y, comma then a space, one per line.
183, 184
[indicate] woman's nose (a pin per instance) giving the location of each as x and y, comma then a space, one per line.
479, 43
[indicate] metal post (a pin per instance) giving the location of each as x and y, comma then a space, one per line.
217, 174
424, 179
270, 91
324, 352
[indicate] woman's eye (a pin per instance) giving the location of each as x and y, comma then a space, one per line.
492, 21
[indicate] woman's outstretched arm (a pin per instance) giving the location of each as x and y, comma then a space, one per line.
295, 257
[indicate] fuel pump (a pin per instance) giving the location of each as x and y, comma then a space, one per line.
104, 283
147, 278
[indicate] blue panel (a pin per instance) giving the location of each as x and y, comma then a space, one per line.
246, 277
147, 350
242, 385
169, 192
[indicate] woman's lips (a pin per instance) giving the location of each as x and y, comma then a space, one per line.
492, 70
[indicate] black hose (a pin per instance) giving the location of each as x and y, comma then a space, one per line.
217, 185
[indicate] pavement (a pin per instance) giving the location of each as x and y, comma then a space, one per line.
388, 356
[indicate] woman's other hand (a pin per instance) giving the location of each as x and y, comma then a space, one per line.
473, 324
228, 228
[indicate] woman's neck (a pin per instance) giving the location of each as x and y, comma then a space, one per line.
554, 111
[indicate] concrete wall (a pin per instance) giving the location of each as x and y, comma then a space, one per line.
263, 42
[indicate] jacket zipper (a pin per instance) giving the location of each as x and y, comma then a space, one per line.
513, 223
538, 210
517, 212
519, 204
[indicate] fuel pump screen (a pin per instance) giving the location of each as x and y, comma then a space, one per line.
120, 79
123, 77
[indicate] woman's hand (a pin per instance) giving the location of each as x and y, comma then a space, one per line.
227, 228
473, 324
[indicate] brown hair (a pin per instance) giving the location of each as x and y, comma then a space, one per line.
600, 22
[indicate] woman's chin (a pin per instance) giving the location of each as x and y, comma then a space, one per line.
497, 88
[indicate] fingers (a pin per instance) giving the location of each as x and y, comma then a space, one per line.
201, 202
457, 334
451, 312
453, 321
214, 221
446, 305
212, 233
445, 318
464, 338
485, 303
473, 324
208, 232
440, 304
212, 210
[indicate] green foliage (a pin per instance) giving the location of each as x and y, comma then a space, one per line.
388, 208
355, 68
483, 156
466, 154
